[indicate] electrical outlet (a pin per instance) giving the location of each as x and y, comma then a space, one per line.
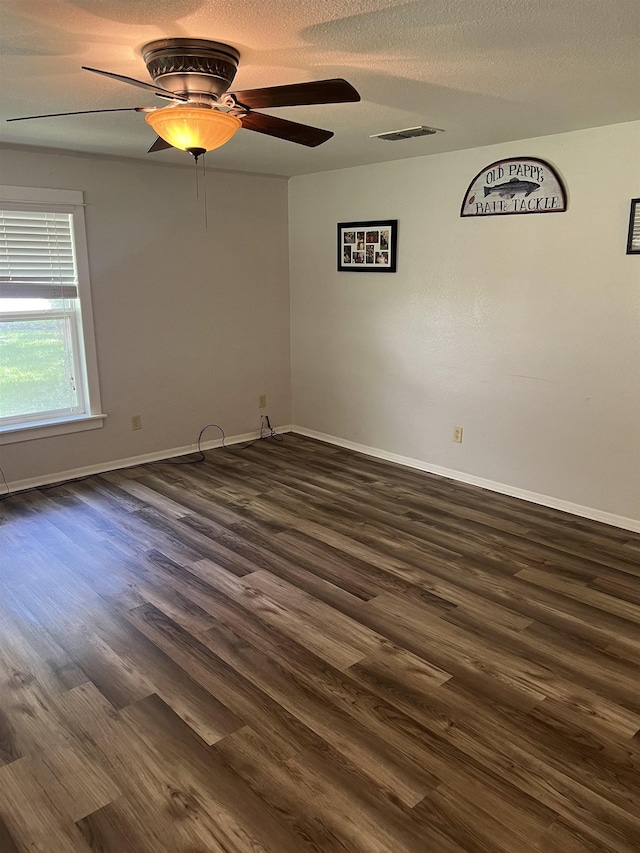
457, 434
262, 401
136, 422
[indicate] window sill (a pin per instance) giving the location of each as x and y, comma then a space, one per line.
45, 429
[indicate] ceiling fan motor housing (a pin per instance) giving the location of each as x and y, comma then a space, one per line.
200, 68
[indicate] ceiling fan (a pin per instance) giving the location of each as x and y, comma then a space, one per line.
194, 75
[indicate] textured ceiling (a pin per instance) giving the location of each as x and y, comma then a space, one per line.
485, 71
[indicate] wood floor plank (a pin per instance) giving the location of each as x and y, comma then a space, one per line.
592, 670
450, 648
7, 842
592, 597
550, 608
472, 828
197, 707
204, 791
9, 746
509, 745
562, 838
50, 663
346, 814
295, 647
120, 683
223, 681
111, 830
33, 821
334, 637
59, 761
355, 732
149, 782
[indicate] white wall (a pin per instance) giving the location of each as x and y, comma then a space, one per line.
525, 330
192, 324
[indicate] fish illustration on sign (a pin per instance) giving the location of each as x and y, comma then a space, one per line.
510, 188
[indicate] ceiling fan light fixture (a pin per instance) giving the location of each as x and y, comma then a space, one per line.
189, 128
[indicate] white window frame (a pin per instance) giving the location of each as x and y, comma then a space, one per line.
68, 201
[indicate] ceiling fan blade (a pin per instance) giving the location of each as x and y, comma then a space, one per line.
303, 134
159, 145
83, 113
334, 91
158, 90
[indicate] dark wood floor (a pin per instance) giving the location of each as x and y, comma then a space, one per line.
296, 648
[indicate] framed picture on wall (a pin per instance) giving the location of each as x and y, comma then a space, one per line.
367, 246
633, 240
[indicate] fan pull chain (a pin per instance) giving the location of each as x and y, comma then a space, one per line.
204, 185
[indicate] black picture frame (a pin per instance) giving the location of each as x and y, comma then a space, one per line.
369, 246
633, 237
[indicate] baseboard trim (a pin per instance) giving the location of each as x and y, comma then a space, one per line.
451, 474
493, 486
130, 462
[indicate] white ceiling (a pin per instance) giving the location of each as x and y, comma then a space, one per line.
485, 71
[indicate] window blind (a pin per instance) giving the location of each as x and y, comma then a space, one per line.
634, 227
36, 255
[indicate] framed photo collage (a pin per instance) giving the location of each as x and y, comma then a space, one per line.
367, 246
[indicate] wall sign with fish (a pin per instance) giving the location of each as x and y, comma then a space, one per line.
516, 185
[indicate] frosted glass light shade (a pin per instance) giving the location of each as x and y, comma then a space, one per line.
187, 127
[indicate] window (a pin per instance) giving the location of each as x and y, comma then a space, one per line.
48, 376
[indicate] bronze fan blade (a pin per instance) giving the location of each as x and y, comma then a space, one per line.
158, 90
159, 145
334, 91
83, 113
303, 134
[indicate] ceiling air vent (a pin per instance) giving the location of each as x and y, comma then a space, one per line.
407, 133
